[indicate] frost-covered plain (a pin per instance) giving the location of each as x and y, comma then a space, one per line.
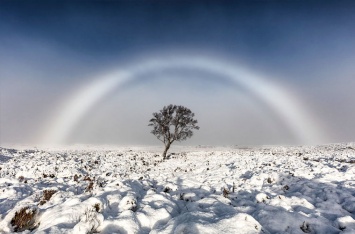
197, 190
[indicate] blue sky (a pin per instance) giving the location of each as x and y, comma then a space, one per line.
49, 49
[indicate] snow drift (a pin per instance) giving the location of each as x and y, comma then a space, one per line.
197, 190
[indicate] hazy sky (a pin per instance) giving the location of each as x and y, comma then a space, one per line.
51, 52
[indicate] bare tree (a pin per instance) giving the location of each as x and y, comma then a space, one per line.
173, 123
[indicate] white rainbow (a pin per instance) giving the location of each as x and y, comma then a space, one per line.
276, 97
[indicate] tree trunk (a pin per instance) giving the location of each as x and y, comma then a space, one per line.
167, 146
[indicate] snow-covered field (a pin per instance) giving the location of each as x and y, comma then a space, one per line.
197, 190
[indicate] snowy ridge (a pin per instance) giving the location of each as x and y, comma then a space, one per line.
198, 190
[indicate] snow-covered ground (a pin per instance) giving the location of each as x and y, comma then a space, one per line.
198, 190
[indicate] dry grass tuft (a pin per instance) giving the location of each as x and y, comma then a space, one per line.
21, 178
87, 178
90, 187
97, 207
167, 190
76, 178
226, 193
24, 219
47, 194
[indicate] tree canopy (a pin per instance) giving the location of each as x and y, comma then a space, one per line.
173, 123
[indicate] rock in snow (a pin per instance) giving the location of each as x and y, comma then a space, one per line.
308, 189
